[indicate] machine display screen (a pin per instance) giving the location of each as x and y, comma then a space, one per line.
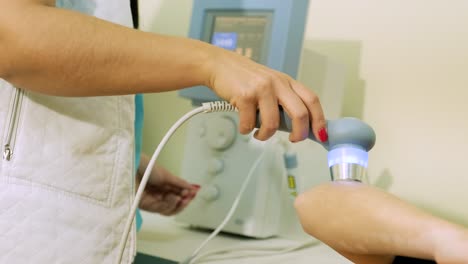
244, 33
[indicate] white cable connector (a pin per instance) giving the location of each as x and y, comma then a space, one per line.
291, 168
218, 106
290, 164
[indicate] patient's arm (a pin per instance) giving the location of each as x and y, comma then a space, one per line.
367, 225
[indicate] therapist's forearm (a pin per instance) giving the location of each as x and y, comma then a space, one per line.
363, 222
60, 52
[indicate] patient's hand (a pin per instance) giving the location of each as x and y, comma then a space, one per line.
165, 193
367, 225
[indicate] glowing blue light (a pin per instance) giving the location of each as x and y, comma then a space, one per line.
348, 154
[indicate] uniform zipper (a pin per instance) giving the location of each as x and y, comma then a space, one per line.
9, 143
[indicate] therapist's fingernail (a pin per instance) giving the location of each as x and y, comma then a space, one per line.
323, 135
196, 186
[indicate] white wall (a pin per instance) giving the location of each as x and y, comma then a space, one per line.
407, 64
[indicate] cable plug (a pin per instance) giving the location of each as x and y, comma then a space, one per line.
218, 106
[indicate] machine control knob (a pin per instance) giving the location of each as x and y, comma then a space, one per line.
210, 193
215, 166
220, 132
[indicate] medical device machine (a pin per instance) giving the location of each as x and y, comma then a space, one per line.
218, 158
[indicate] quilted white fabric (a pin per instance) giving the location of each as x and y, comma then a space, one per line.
68, 187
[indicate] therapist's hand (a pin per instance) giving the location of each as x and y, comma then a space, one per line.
165, 193
250, 86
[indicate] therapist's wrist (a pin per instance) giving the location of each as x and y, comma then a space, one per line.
209, 63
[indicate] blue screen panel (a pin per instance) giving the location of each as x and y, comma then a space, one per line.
225, 40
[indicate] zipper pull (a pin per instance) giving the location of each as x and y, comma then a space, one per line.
7, 153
